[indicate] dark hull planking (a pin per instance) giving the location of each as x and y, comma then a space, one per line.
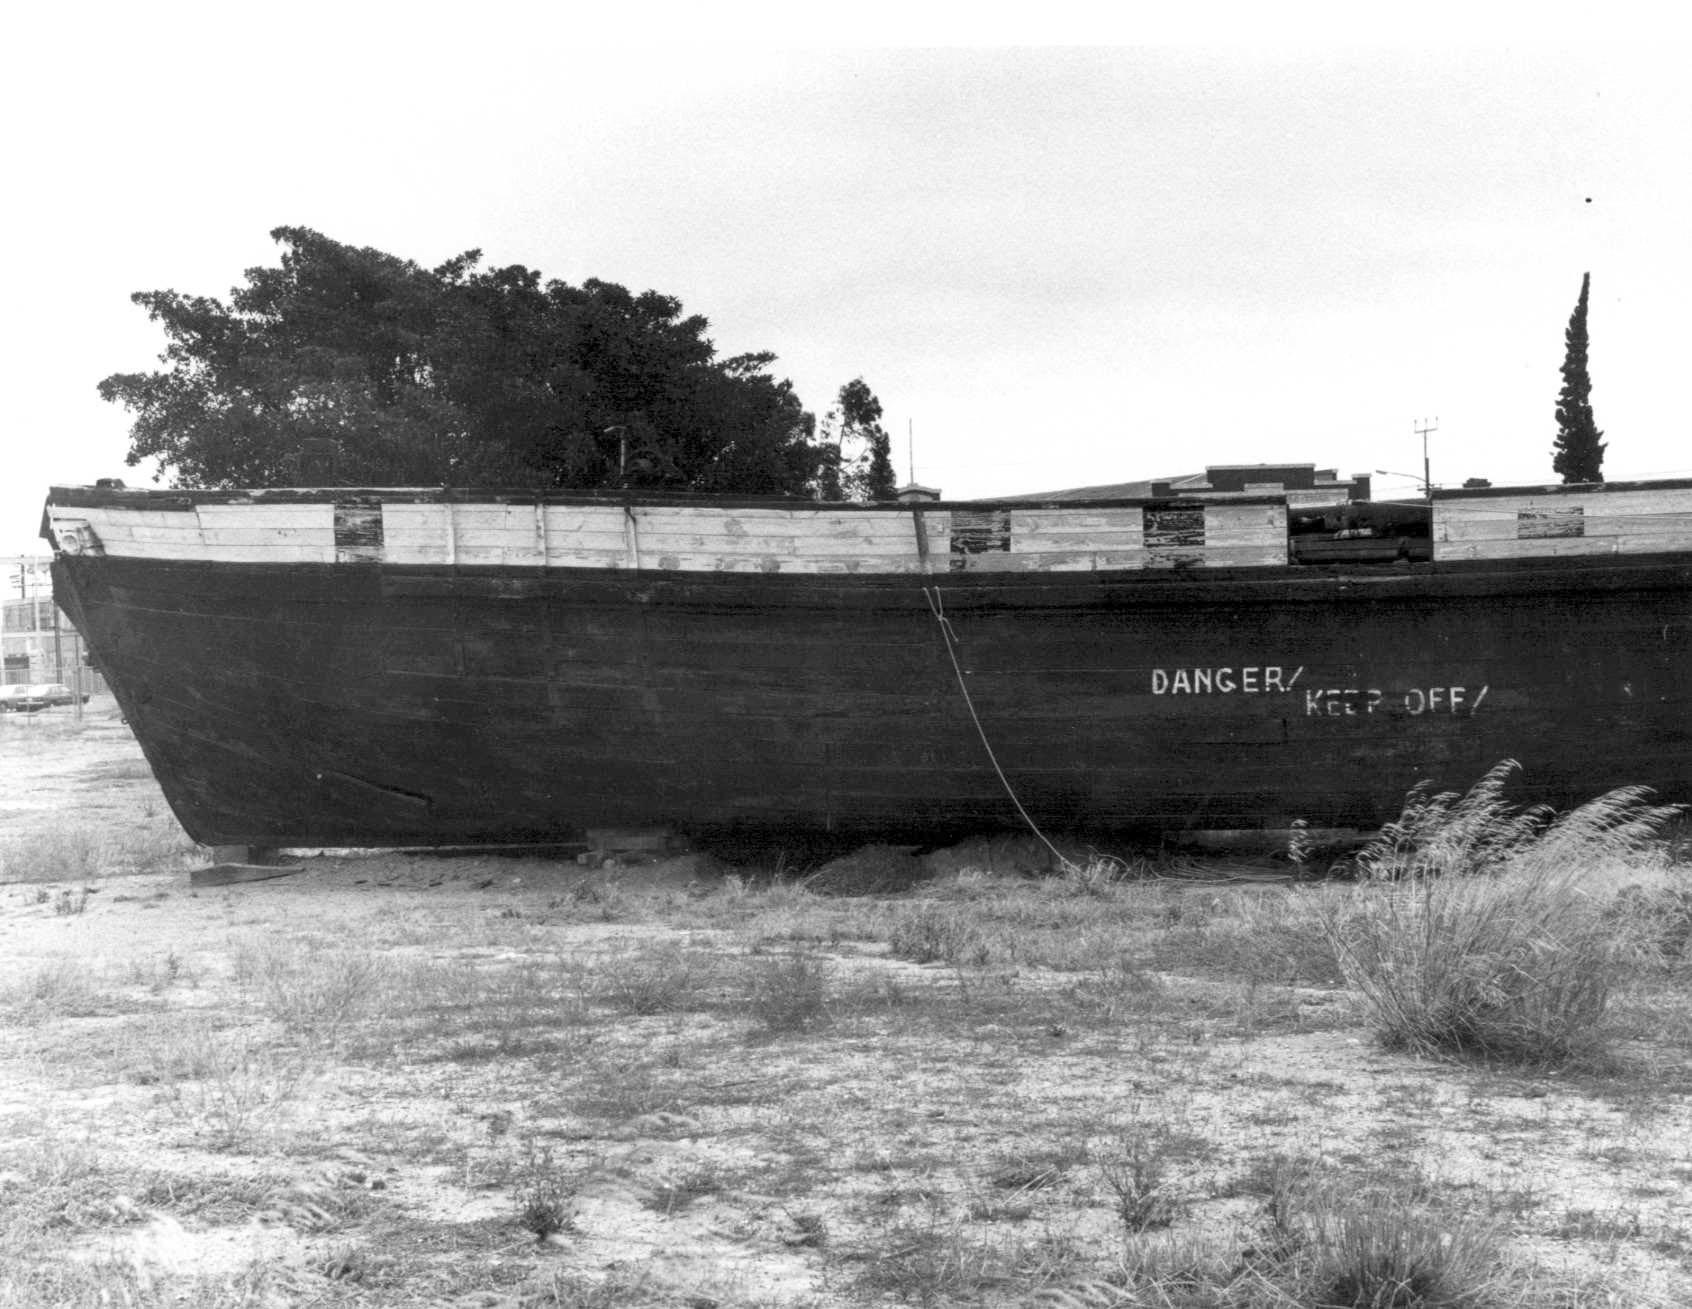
372, 705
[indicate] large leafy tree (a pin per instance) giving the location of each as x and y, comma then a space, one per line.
1578, 452
384, 372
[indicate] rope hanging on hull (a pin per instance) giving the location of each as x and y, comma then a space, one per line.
949, 635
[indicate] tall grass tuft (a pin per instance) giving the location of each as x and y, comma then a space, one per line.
1480, 831
1376, 1252
789, 993
1485, 929
932, 931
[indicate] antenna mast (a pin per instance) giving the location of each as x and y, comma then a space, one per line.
910, 449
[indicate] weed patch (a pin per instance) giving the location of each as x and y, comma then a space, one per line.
935, 931
61, 988
316, 994
1480, 929
86, 851
661, 979
788, 993
232, 1084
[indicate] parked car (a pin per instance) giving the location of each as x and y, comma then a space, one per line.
12, 697
34, 696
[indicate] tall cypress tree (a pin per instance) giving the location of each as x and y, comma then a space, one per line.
1578, 454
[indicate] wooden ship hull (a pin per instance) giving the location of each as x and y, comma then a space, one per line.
440, 668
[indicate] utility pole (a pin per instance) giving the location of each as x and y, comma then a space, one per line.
58, 648
1423, 427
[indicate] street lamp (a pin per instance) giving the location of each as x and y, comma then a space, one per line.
1422, 428
1427, 487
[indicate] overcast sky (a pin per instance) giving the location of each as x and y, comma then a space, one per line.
1059, 265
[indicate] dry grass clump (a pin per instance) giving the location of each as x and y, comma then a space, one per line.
789, 993
1141, 1169
1268, 935
59, 988
1479, 928
662, 979
546, 1199
1322, 1243
84, 851
936, 1260
1379, 1252
72, 852
316, 993
232, 1085
935, 931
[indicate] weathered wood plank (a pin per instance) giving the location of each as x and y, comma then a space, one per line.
1036, 521
234, 874
1537, 548
789, 547
111, 516
174, 527
1520, 516
318, 518
1078, 543
667, 561
1226, 516
1044, 561
1222, 556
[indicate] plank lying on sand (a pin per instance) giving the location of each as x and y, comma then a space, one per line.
230, 874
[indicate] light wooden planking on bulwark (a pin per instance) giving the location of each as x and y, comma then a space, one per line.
692, 538
224, 533
685, 538
804, 540
1551, 524
1215, 535
776, 540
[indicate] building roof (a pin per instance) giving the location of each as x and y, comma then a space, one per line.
1223, 478
1140, 490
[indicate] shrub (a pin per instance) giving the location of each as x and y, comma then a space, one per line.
1140, 1167
69, 902
930, 931
663, 979
1483, 929
316, 993
240, 1086
1098, 876
1375, 1252
83, 852
546, 1206
70, 852
790, 993
60, 988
